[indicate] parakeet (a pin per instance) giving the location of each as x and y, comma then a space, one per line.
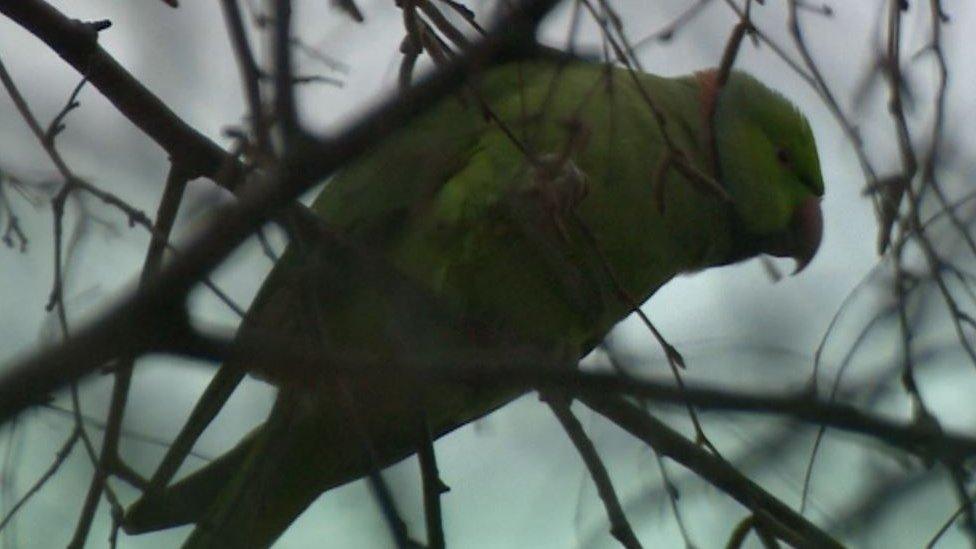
541, 204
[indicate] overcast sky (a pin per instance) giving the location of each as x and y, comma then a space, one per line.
516, 481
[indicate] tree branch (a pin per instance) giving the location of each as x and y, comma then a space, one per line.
154, 315
786, 523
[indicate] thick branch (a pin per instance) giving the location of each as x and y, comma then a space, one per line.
145, 320
527, 368
77, 43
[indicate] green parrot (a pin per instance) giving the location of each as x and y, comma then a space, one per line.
518, 220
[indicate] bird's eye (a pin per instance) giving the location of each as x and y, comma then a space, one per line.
783, 156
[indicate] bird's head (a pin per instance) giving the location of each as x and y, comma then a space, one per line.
767, 161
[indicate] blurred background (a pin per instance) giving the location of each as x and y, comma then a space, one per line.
515, 479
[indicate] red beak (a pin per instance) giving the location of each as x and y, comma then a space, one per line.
807, 228
802, 239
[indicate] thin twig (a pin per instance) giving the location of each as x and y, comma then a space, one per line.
788, 525
59, 458
619, 526
433, 486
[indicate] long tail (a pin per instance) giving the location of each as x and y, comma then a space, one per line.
286, 468
187, 500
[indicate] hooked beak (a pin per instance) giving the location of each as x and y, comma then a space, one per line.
803, 239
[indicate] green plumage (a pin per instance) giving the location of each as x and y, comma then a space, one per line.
539, 206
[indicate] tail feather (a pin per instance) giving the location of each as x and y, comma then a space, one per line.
189, 499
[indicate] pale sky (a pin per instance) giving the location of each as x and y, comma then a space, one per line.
516, 480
